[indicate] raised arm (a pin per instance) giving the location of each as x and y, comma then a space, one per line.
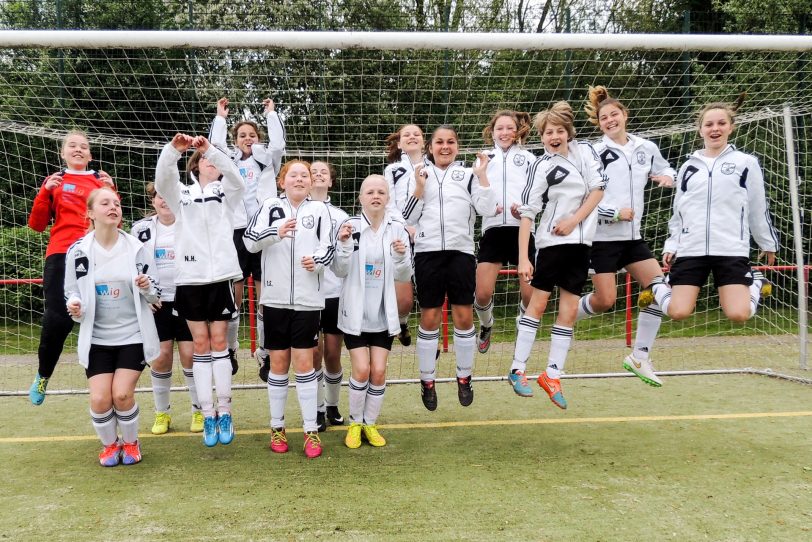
167, 175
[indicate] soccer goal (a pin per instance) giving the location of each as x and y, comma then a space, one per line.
342, 93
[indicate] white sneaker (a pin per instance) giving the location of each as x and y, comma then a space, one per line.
643, 369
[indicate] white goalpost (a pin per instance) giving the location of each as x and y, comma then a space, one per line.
342, 93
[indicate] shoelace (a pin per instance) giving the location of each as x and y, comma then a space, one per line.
313, 439
523, 379
42, 384
278, 437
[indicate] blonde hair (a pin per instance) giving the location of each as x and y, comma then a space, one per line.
81, 133
728, 108
560, 114
521, 119
286, 167
599, 98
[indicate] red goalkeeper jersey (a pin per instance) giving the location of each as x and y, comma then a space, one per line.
66, 206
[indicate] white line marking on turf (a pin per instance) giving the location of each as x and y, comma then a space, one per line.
443, 425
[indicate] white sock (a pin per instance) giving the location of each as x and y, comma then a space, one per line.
128, 423
161, 384
260, 331
332, 385
306, 392
320, 406
404, 319
374, 403
358, 398
560, 340
648, 325
427, 342
233, 331
525, 337
277, 398
522, 308
484, 313
585, 309
204, 375
105, 425
221, 366
464, 346
189, 378
755, 296
662, 294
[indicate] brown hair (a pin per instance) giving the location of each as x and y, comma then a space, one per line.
193, 165
284, 170
521, 119
330, 168
729, 109
441, 127
91, 199
393, 152
73, 133
560, 114
252, 124
599, 98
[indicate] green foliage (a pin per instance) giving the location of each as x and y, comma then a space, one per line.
22, 256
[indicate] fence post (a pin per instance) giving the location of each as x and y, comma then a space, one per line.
796, 233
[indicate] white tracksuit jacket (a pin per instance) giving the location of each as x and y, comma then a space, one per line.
350, 263
331, 284
626, 182
265, 160
507, 174
400, 177
446, 213
285, 283
204, 242
717, 209
559, 186
80, 285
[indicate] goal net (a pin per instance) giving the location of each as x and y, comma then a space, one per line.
341, 94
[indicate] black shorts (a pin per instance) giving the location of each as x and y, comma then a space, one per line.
610, 256
501, 245
381, 339
328, 320
106, 359
565, 266
445, 272
694, 271
287, 328
250, 262
171, 327
206, 302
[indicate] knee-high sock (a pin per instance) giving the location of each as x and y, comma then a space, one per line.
277, 398
204, 375
306, 384
525, 337
233, 331
358, 397
464, 345
320, 406
648, 325
128, 423
221, 366
427, 342
755, 296
585, 309
189, 378
374, 403
662, 294
332, 387
522, 308
485, 313
105, 425
161, 384
560, 340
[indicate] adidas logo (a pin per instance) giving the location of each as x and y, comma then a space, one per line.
560, 175
81, 268
226, 311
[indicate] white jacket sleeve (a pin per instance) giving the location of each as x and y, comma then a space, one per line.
403, 262
233, 183
534, 190
71, 285
270, 156
483, 198
761, 227
343, 257
674, 223
167, 177
218, 133
263, 227
659, 165
323, 255
412, 207
592, 169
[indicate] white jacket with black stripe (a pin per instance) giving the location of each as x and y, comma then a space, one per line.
626, 182
204, 218
400, 178
331, 286
446, 213
285, 283
717, 209
266, 159
559, 186
507, 175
